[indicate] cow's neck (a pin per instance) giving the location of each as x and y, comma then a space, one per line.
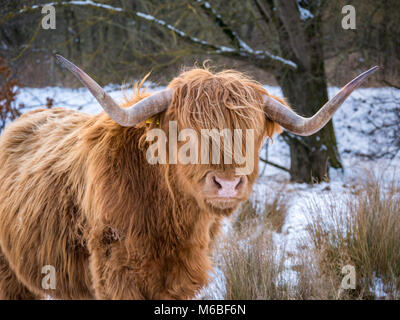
172, 222
182, 224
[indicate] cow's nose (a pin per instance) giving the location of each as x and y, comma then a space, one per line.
229, 188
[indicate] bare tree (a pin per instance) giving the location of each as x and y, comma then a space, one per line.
284, 38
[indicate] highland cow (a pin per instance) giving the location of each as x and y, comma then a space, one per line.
77, 193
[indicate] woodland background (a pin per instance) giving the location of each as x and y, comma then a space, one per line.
299, 45
322, 202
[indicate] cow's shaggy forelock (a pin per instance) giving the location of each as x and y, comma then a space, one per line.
227, 99
206, 100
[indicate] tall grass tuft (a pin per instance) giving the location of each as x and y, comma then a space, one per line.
272, 215
255, 267
363, 231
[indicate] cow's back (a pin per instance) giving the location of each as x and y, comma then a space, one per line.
41, 222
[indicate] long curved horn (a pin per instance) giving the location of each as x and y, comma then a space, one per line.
296, 124
139, 112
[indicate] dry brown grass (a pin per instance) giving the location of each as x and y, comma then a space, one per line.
272, 215
363, 231
275, 212
255, 267
251, 268
249, 259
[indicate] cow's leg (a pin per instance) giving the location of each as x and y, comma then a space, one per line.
111, 280
10, 287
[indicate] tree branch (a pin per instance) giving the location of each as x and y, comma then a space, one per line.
390, 84
262, 10
242, 46
259, 57
289, 14
274, 165
232, 35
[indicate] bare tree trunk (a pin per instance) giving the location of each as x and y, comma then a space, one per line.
310, 156
306, 90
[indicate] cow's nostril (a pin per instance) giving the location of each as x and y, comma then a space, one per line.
239, 183
219, 186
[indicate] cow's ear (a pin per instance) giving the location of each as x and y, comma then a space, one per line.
272, 128
277, 129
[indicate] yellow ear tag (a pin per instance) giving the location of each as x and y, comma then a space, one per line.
151, 120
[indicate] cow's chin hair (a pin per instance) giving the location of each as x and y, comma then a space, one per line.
222, 206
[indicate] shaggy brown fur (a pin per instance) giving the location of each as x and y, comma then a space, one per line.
76, 192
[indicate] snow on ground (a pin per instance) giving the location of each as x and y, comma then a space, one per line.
79, 98
360, 113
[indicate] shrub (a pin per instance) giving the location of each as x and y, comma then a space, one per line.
9, 110
8, 92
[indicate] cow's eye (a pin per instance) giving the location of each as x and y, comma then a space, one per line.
205, 174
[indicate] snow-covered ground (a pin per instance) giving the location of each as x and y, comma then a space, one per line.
354, 124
